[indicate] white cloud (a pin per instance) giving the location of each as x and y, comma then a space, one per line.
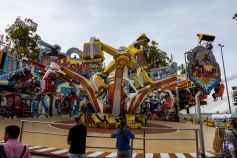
174, 24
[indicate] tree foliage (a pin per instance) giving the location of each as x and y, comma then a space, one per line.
155, 56
182, 69
23, 35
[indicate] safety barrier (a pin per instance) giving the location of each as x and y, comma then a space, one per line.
143, 138
170, 139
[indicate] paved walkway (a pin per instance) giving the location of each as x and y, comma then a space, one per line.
43, 152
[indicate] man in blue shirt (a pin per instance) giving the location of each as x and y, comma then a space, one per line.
123, 135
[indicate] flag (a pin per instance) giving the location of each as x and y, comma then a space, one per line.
2, 59
1, 39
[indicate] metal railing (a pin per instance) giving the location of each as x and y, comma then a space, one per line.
171, 139
143, 138
60, 134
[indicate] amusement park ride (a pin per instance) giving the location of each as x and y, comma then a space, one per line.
113, 80
108, 89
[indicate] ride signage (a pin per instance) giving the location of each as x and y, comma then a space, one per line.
203, 69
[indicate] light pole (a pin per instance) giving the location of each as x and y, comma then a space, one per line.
221, 46
235, 17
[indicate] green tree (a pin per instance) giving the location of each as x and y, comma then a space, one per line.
101, 67
182, 69
23, 35
155, 56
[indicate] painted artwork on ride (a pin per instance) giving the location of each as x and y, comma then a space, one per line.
164, 72
135, 121
102, 120
93, 52
73, 61
8, 62
203, 69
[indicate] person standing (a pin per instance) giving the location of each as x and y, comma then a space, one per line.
123, 135
77, 140
12, 147
231, 138
225, 142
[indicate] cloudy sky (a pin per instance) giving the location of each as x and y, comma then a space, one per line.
172, 23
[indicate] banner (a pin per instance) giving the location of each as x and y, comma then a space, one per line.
164, 72
203, 69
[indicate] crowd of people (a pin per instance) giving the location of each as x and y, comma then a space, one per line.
224, 143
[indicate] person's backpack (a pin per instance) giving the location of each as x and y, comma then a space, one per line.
225, 151
2, 152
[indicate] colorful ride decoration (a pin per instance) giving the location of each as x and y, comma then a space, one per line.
14, 106
187, 91
74, 54
48, 49
142, 80
72, 59
40, 98
203, 70
164, 72
168, 102
8, 61
98, 84
219, 90
93, 51
68, 102
102, 120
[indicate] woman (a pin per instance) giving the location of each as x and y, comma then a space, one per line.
224, 144
219, 137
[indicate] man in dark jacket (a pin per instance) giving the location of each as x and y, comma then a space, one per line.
77, 140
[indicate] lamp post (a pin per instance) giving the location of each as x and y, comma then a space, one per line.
235, 17
221, 46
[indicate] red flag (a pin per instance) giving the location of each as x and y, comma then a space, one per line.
1, 38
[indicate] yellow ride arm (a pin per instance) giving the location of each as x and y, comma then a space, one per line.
108, 49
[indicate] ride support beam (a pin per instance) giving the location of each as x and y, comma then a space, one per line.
85, 83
